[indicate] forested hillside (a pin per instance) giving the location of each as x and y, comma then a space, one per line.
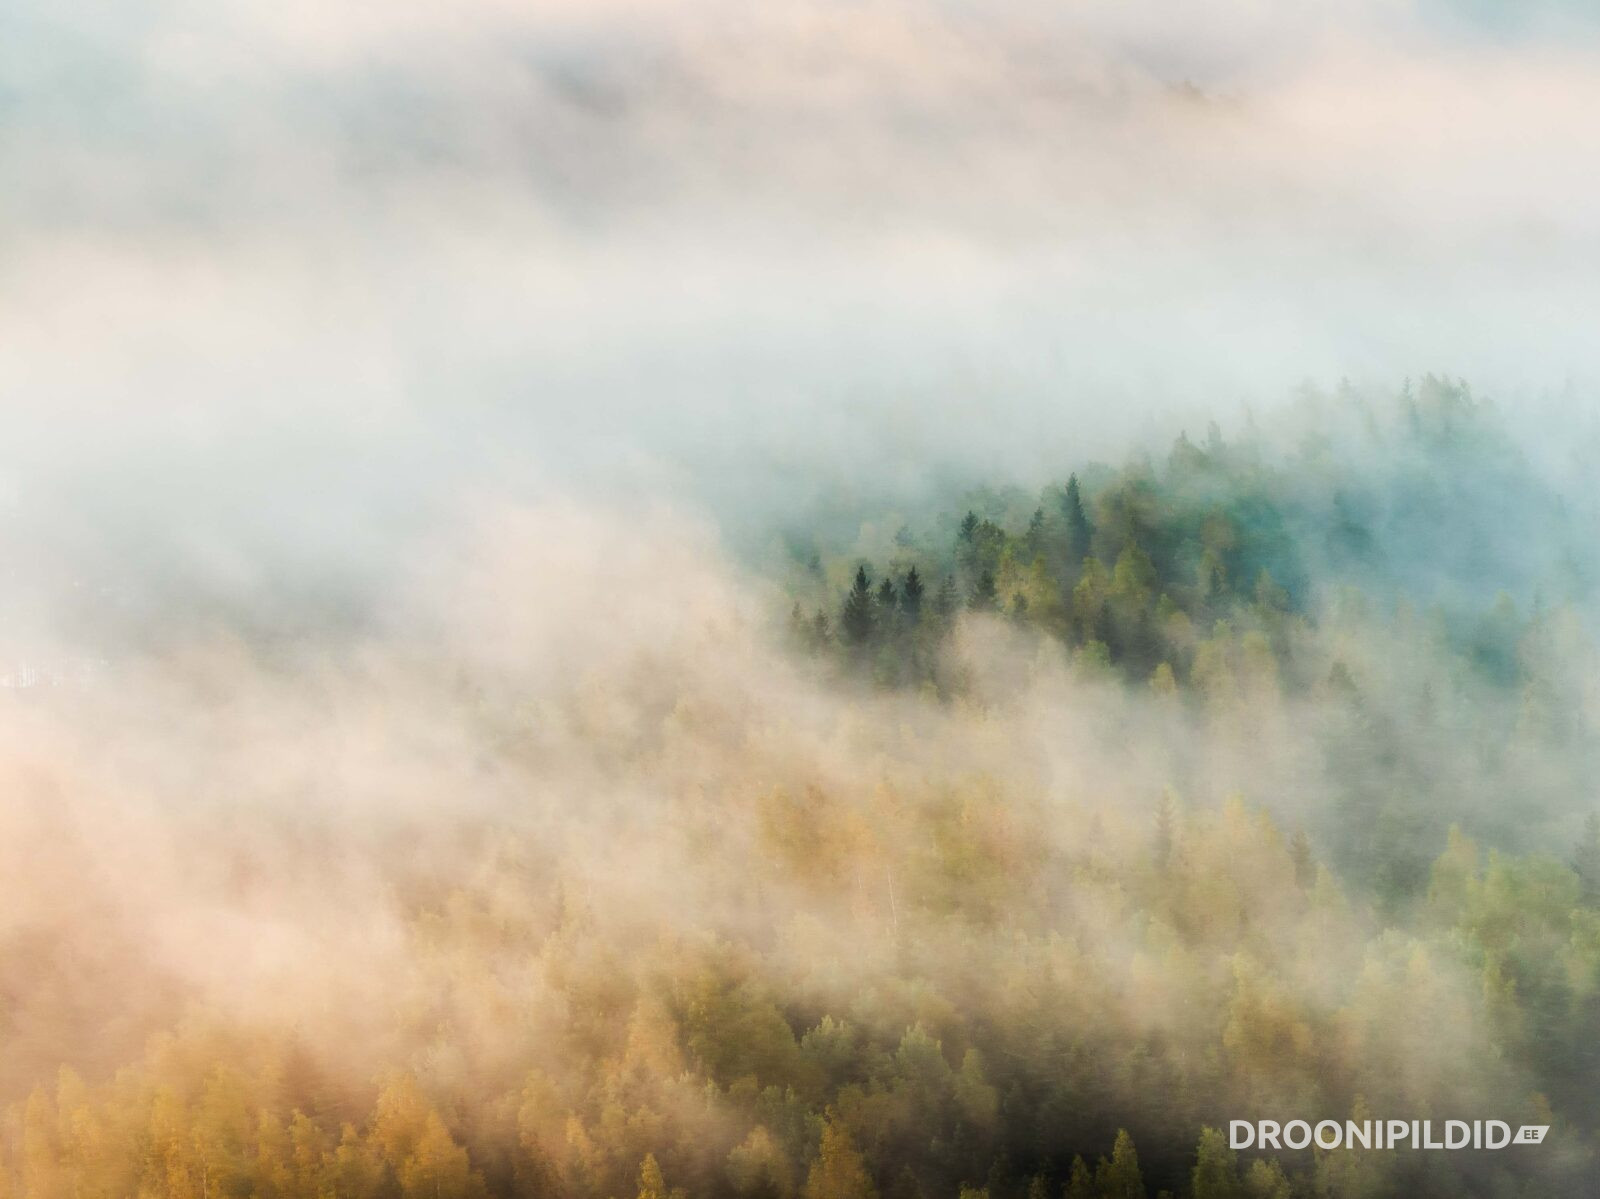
1398, 583
1053, 833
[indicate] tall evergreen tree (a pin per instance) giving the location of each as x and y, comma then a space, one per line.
857, 619
1080, 1183
1119, 1178
911, 595
839, 1171
1079, 532
1034, 538
1216, 1172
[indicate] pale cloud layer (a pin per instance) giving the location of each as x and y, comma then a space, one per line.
280, 282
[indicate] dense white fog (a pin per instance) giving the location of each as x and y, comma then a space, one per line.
282, 283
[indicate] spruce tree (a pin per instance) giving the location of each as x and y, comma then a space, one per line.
1034, 539
856, 620
1080, 1183
1216, 1173
651, 1184
839, 1171
1119, 1178
911, 596
1078, 531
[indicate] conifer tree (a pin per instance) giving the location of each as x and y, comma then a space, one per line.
857, 620
1078, 531
1080, 1183
1034, 538
839, 1172
1119, 1178
1266, 1180
651, 1183
1216, 1174
911, 596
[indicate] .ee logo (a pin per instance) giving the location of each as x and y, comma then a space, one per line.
1531, 1134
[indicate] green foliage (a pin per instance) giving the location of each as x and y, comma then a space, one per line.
1216, 1171
838, 1172
859, 618
932, 982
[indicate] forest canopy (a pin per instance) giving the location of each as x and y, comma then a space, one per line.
1046, 835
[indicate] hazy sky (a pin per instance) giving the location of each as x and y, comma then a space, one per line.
281, 282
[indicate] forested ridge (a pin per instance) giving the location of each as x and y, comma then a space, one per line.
1250, 783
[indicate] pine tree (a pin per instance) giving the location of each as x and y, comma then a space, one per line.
1079, 533
1216, 1174
1080, 1184
1034, 539
944, 603
969, 526
437, 1168
1266, 1180
651, 1183
911, 596
886, 596
839, 1172
857, 619
1119, 1178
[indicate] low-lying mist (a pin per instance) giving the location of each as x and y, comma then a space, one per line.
568, 861
694, 600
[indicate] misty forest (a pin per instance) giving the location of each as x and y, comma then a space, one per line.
808, 599
1003, 848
